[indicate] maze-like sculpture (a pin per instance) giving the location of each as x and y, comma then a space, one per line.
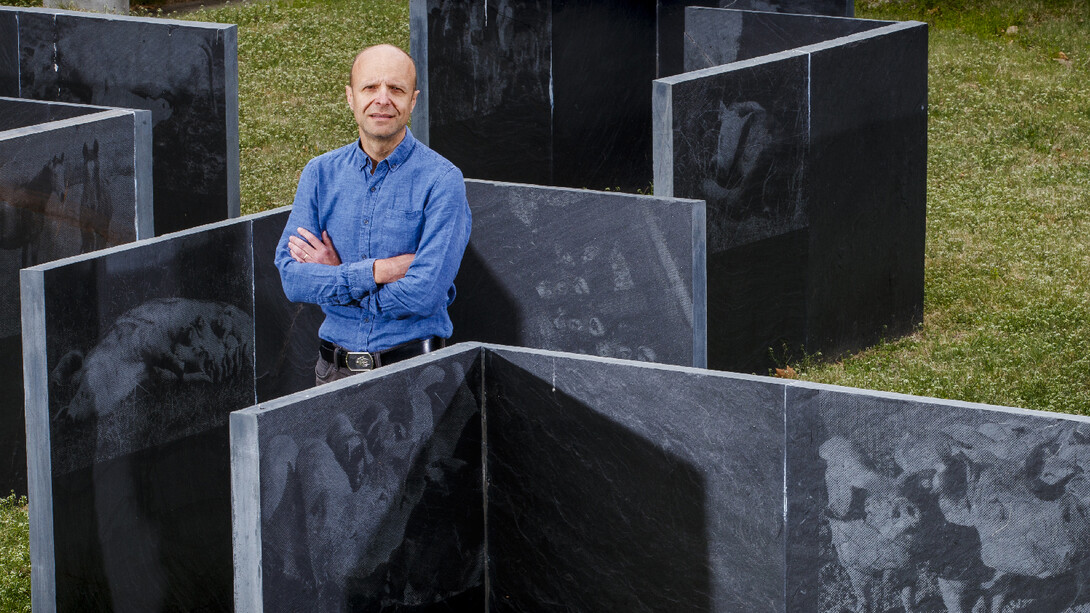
178, 460
804, 135
74, 178
177, 82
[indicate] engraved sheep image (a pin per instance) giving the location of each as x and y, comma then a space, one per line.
995, 517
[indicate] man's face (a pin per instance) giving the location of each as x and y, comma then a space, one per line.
381, 93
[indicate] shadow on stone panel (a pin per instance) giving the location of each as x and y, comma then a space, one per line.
483, 311
502, 48
603, 60
147, 531
286, 332
756, 304
12, 422
584, 514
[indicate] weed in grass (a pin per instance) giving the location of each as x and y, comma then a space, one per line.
14, 555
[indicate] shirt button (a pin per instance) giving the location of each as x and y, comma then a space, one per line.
366, 221
372, 189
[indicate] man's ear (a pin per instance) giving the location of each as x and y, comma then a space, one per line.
348, 96
412, 103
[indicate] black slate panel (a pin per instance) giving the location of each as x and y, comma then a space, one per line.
19, 113
740, 143
601, 273
619, 487
9, 55
720, 36
550, 92
942, 505
185, 73
736, 136
66, 187
287, 332
136, 357
812, 162
366, 494
671, 21
486, 101
867, 188
603, 62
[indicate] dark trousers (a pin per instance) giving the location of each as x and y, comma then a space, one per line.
328, 372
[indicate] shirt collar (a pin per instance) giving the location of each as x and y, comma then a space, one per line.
396, 158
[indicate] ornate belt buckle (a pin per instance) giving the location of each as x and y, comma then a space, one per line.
359, 361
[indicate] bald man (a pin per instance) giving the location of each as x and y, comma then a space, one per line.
378, 229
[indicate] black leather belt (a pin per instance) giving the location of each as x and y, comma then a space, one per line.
360, 361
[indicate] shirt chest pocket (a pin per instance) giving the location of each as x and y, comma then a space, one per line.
401, 230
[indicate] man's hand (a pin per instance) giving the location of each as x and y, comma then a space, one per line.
388, 270
310, 250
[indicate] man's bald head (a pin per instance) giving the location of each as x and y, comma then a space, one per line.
386, 52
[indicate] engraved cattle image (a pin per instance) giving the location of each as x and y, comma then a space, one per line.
968, 512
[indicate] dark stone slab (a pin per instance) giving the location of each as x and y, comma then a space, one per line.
736, 137
671, 22
606, 274
185, 73
502, 52
365, 494
135, 355
538, 92
19, 113
66, 187
287, 332
812, 162
718, 36
867, 170
940, 504
620, 487
603, 59
9, 55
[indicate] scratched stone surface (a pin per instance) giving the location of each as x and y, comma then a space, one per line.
364, 494
927, 505
74, 179
134, 358
185, 73
607, 274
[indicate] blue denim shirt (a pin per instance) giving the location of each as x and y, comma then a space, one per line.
415, 202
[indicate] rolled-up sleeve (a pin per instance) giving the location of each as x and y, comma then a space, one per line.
347, 284
426, 286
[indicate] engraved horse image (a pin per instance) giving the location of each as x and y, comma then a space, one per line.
23, 209
94, 205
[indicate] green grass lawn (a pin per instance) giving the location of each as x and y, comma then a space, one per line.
1007, 313
1007, 305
